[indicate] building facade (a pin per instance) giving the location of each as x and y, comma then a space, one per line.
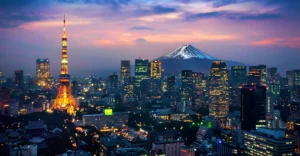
238, 76
262, 72
113, 83
102, 120
125, 71
186, 88
218, 90
253, 110
19, 79
42, 72
155, 69
267, 142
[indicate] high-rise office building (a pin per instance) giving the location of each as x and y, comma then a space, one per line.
19, 79
267, 142
186, 88
113, 83
171, 88
284, 83
262, 71
197, 88
284, 103
42, 72
4, 101
141, 70
296, 85
290, 77
155, 69
273, 81
253, 110
125, 71
128, 90
271, 101
272, 74
238, 76
151, 89
218, 90
155, 89
296, 80
253, 77
235, 97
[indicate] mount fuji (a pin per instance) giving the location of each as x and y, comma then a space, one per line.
187, 52
187, 57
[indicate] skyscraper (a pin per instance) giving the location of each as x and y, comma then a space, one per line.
125, 71
253, 77
284, 83
113, 83
290, 77
4, 101
141, 70
273, 81
186, 88
128, 90
155, 69
253, 110
218, 90
42, 72
64, 100
262, 72
284, 103
296, 79
171, 88
238, 76
19, 79
197, 88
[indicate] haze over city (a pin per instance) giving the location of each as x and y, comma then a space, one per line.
101, 33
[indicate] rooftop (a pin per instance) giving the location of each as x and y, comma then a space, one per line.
277, 134
115, 113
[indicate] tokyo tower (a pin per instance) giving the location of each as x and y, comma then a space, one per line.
64, 100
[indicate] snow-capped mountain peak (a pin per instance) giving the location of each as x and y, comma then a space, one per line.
187, 52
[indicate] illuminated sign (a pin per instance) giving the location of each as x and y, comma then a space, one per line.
108, 111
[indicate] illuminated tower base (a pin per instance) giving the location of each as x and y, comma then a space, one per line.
65, 101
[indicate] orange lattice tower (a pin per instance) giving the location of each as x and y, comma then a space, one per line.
64, 100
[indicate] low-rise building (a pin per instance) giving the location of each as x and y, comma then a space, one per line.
170, 148
108, 144
270, 142
130, 152
105, 120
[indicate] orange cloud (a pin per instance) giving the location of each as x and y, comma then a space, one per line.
191, 37
163, 38
46, 24
293, 42
109, 42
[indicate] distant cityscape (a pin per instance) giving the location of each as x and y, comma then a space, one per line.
165, 109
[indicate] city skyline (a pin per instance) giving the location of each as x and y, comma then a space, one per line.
149, 77
101, 33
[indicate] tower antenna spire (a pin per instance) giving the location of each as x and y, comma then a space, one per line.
64, 20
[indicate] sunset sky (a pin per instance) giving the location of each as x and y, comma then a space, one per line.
102, 32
